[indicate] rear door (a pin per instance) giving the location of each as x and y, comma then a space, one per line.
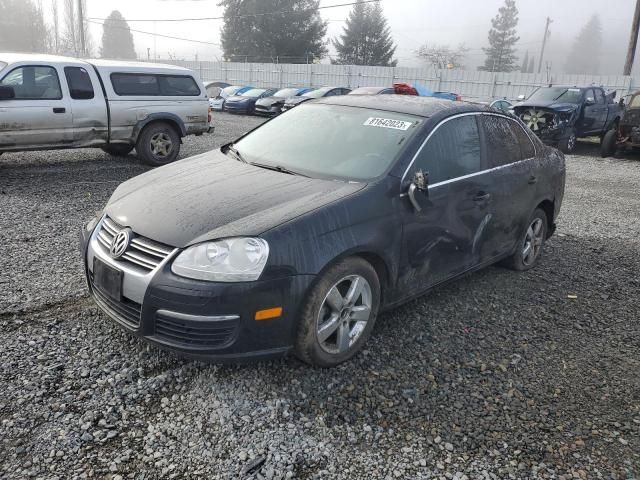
88, 107
511, 154
40, 115
446, 238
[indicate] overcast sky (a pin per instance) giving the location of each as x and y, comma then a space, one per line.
413, 23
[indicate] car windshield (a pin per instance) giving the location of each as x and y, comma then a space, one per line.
320, 92
557, 94
287, 92
256, 92
346, 143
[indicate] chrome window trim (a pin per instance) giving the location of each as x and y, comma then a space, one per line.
459, 115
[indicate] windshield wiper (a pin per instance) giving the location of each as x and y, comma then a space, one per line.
236, 153
278, 168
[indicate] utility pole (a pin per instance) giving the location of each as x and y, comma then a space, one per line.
83, 51
633, 41
544, 42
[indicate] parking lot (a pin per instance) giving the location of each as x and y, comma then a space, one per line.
497, 375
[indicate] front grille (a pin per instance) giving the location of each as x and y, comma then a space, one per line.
126, 312
193, 334
142, 252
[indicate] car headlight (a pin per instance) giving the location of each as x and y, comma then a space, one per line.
230, 260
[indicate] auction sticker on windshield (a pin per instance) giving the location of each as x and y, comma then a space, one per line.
388, 123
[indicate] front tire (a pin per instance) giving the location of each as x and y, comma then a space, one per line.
608, 146
117, 150
530, 245
568, 143
158, 144
339, 313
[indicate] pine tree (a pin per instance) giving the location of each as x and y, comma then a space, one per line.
117, 41
366, 39
295, 34
22, 27
584, 56
525, 63
532, 65
502, 39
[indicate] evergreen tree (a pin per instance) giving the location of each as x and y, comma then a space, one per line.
22, 27
584, 56
525, 63
366, 39
294, 34
502, 40
117, 41
532, 65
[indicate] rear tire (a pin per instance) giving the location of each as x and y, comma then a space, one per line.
531, 243
158, 144
608, 146
339, 313
568, 143
117, 150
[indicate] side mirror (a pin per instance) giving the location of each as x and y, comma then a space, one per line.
7, 92
419, 189
589, 101
521, 98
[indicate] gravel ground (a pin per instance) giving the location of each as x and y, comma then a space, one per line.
498, 375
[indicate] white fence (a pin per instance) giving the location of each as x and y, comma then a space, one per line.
471, 85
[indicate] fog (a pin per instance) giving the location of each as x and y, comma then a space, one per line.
413, 23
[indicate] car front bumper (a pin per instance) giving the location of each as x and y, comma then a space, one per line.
268, 111
202, 320
232, 108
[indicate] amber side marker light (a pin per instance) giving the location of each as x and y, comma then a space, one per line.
268, 313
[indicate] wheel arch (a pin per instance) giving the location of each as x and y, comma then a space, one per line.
548, 207
164, 117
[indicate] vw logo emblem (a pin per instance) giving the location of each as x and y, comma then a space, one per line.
120, 243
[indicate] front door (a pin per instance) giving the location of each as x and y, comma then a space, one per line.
447, 236
591, 121
39, 116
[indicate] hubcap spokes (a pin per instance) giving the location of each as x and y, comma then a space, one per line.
533, 242
344, 314
161, 145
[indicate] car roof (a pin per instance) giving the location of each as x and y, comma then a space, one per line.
407, 104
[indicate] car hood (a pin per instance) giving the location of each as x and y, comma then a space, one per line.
296, 100
270, 101
551, 105
237, 99
213, 196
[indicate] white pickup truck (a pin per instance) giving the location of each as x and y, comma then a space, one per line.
51, 102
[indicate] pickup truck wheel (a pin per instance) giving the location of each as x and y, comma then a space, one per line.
568, 143
338, 314
158, 144
530, 244
608, 145
117, 150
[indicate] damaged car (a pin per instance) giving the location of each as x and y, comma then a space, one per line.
297, 235
560, 115
627, 134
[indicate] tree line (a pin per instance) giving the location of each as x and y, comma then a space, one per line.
288, 31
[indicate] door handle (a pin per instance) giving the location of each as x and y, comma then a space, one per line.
59, 110
533, 179
482, 197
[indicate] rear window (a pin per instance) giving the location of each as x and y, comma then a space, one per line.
129, 84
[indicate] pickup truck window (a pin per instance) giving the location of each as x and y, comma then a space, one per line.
599, 96
34, 83
130, 84
79, 81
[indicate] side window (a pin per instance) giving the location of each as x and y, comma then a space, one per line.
527, 150
588, 94
79, 81
135, 84
452, 151
502, 143
178, 86
34, 83
599, 96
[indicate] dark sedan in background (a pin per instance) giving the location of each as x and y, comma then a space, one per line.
295, 236
246, 102
272, 106
317, 93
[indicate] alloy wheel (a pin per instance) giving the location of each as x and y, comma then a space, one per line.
533, 242
344, 314
161, 145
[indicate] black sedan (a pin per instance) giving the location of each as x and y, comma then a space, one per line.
317, 93
246, 102
296, 236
